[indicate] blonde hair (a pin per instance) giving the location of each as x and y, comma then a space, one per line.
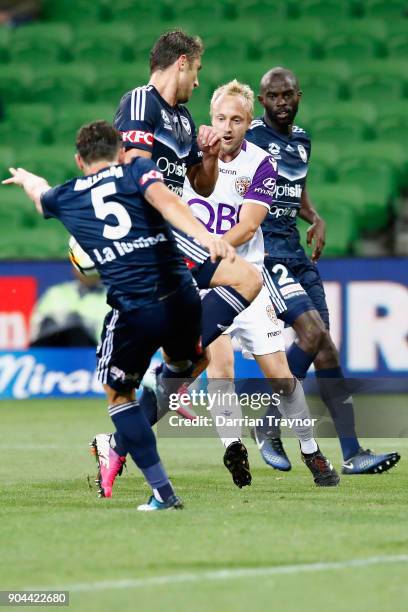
235, 88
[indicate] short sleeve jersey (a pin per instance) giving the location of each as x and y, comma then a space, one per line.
130, 242
249, 178
147, 122
292, 153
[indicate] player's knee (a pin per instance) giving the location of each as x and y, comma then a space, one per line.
328, 351
250, 283
224, 370
240, 275
312, 338
118, 397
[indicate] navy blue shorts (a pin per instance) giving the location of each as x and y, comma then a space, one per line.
197, 259
130, 338
298, 284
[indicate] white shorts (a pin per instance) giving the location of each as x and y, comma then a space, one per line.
257, 328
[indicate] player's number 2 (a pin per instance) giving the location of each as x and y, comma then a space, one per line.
284, 279
103, 208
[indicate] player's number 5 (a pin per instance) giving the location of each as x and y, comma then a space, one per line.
104, 208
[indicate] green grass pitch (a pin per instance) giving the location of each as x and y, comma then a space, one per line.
54, 532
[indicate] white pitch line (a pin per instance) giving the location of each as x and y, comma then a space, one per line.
222, 574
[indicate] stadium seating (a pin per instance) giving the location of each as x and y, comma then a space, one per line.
398, 47
140, 12
15, 83
74, 11
350, 57
63, 84
68, 120
105, 43
351, 47
343, 123
54, 163
385, 8
28, 236
337, 206
113, 82
370, 86
4, 44
284, 50
7, 159
270, 11
378, 183
325, 9
323, 163
30, 124
41, 43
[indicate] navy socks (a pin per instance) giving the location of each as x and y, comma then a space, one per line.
137, 438
336, 396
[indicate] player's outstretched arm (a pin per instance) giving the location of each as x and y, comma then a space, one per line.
178, 214
203, 176
250, 218
317, 231
33, 185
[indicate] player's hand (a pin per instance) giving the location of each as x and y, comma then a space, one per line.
208, 140
19, 176
219, 249
317, 234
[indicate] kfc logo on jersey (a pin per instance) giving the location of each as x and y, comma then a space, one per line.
138, 137
270, 183
242, 184
186, 125
153, 174
274, 149
302, 153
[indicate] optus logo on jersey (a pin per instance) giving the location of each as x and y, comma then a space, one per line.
276, 211
177, 189
292, 191
138, 137
171, 168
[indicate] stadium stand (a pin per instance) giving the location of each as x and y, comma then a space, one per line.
350, 58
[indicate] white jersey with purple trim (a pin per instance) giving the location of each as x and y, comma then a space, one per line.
250, 177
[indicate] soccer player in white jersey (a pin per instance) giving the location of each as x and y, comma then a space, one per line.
235, 210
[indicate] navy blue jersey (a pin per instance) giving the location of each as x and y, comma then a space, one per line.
147, 122
130, 242
293, 153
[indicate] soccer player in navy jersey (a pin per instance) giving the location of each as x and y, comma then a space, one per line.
297, 278
120, 216
155, 124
